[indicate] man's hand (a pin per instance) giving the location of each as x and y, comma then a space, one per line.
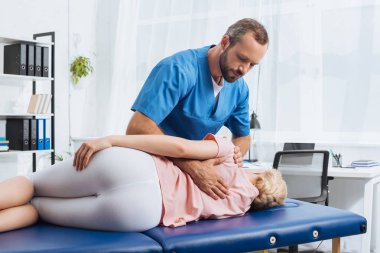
241, 147
238, 159
204, 176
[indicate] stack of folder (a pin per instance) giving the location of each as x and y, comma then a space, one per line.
28, 134
4, 144
365, 163
26, 59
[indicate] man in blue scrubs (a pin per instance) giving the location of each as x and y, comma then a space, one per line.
197, 91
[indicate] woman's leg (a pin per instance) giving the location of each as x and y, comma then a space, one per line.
135, 207
17, 217
119, 190
16, 191
15, 213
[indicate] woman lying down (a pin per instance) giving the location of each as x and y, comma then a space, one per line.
125, 183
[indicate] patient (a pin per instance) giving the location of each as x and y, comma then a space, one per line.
126, 183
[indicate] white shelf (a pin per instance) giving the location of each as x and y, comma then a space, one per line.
26, 115
18, 152
25, 78
20, 40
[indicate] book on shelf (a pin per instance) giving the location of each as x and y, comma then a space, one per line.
365, 163
4, 148
39, 103
4, 144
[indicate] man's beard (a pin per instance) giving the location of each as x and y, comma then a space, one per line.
224, 68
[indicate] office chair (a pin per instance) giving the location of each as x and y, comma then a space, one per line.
305, 173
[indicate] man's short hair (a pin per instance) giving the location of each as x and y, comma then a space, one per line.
241, 27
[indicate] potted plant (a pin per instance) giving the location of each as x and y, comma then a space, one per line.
80, 67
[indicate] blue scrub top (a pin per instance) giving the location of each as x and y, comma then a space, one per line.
179, 97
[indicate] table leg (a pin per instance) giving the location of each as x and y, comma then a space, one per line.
368, 207
336, 245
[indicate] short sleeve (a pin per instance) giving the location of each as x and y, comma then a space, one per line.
225, 146
238, 122
161, 92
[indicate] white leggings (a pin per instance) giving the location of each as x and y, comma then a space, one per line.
118, 191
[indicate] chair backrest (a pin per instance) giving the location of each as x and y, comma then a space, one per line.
298, 146
305, 173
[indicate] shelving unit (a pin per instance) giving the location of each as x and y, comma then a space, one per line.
34, 80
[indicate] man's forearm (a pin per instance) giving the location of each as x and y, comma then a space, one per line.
243, 142
186, 165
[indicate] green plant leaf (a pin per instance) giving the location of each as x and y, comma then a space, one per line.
80, 68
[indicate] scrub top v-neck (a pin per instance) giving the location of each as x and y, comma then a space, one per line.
178, 96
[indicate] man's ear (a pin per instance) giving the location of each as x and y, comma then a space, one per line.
225, 42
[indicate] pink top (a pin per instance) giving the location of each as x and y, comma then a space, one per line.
183, 201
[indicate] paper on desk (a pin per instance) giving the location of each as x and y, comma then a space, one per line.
256, 165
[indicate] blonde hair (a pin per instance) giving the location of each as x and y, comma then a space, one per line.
272, 190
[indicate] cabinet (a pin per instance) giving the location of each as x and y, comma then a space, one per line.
34, 81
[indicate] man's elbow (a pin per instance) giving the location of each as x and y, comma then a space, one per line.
135, 126
131, 129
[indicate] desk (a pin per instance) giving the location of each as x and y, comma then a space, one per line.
371, 178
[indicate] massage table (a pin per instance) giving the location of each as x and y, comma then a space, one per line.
296, 222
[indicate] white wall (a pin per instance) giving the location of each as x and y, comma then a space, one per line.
21, 19
95, 37
82, 42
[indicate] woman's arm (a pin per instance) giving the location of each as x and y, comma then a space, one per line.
162, 145
165, 145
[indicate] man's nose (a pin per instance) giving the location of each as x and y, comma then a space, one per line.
243, 69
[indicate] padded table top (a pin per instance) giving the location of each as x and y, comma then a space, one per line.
44, 237
291, 224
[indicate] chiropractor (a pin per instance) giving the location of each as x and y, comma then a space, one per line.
197, 91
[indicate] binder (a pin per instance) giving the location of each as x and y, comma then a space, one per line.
45, 61
30, 60
47, 134
40, 134
15, 59
33, 134
37, 61
17, 132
